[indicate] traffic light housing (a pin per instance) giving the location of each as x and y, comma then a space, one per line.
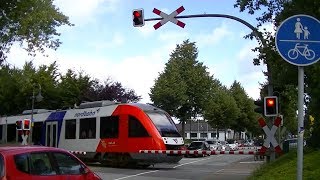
271, 106
259, 109
19, 125
138, 17
26, 124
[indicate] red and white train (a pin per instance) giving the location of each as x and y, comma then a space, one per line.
105, 131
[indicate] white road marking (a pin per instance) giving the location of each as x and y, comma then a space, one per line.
191, 162
147, 172
219, 170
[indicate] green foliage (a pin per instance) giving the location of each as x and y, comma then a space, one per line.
58, 90
285, 167
184, 84
221, 110
246, 116
32, 23
284, 75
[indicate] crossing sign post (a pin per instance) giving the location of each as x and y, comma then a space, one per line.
270, 135
170, 17
298, 42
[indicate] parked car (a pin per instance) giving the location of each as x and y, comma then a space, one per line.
249, 143
198, 145
232, 146
293, 143
224, 145
214, 144
40, 162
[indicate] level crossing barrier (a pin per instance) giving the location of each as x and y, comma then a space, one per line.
199, 152
78, 152
247, 148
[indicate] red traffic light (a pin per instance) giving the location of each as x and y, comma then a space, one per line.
136, 14
26, 124
271, 102
271, 106
137, 17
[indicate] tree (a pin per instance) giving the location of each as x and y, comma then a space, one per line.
246, 117
75, 87
184, 84
32, 23
284, 74
9, 87
58, 90
113, 91
221, 109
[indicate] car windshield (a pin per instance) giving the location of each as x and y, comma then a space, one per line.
164, 124
196, 144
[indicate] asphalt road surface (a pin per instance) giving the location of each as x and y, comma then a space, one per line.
220, 167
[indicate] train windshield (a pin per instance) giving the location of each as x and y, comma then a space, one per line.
164, 124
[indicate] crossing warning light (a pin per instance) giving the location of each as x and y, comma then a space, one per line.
271, 106
19, 125
138, 17
26, 124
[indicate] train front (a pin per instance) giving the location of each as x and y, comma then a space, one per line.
166, 138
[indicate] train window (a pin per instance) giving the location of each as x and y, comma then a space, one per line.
109, 127
70, 129
136, 129
87, 128
11, 132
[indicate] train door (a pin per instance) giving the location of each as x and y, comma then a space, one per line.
52, 133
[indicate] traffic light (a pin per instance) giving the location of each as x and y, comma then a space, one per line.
138, 17
18, 125
26, 124
271, 106
259, 108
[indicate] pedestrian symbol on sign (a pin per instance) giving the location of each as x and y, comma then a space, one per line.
298, 40
300, 29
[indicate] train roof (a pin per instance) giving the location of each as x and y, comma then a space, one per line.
146, 107
84, 106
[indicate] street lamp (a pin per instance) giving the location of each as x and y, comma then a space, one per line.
39, 98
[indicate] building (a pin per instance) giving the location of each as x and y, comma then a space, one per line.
202, 130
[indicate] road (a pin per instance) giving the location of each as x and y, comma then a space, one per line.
220, 167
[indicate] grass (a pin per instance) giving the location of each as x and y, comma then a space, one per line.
285, 167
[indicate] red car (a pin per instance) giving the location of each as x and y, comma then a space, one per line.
40, 162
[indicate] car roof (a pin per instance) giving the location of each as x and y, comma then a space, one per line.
16, 149
197, 141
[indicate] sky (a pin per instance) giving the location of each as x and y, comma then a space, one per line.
104, 44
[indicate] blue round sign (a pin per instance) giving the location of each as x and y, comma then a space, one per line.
298, 40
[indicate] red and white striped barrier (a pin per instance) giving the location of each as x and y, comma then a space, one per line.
170, 17
244, 148
270, 135
78, 152
197, 152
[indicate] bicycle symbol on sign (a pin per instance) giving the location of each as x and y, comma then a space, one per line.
302, 50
